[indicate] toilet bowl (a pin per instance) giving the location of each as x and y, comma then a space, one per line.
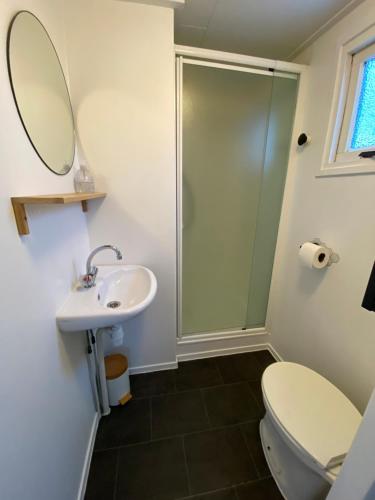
307, 430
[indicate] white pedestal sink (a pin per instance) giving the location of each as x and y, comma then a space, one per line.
121, 292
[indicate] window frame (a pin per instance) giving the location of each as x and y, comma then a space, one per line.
336, 160
344, 150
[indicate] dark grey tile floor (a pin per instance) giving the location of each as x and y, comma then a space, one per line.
190, 433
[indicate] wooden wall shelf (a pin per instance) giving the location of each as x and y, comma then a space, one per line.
19, 202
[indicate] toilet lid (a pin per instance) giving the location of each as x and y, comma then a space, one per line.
315, 414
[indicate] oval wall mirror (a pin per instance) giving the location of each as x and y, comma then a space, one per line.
41, 92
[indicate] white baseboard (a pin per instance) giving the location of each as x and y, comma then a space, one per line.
221, 352
196, 347
226, 335
223, 346
88, 456
153, 368
274, 353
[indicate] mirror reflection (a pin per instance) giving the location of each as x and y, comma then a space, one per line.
40, 92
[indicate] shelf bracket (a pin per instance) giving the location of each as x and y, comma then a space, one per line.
21, 217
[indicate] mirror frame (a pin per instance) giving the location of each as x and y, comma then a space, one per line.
15, 96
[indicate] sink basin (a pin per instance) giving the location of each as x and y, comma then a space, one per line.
121, 292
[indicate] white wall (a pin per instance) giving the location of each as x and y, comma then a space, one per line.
315, 317
121, 64
46, 403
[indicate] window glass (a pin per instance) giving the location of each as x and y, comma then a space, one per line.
364, 128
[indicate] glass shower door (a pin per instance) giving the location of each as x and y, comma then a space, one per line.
280, 124
227, 124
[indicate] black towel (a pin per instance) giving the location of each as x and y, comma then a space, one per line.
369, 298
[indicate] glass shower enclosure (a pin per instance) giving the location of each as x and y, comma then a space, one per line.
234, 129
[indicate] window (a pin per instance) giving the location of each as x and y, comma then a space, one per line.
351, 132
358, 125
364, 125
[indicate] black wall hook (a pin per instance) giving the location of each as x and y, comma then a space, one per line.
303, 139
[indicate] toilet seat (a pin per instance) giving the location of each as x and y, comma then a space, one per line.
312, 413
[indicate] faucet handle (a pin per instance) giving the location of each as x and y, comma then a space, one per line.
88, 280
93, 271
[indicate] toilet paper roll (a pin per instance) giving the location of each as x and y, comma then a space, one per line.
313, 255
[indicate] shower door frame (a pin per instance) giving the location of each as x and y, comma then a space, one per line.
235, 62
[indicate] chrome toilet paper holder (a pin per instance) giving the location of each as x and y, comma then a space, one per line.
333, 258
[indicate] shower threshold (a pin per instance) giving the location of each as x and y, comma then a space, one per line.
220, 335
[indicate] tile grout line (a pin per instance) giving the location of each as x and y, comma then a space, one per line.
174, 380
209, 492
249, 453
184, 391
150, 419
217, 366
252, 399
205, 408
184, 434
236, 493
116, 474
260, 408
186, 466
225, 488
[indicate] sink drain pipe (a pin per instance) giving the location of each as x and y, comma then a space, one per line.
96, 341
93, 371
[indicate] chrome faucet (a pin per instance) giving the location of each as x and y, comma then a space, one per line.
88, 280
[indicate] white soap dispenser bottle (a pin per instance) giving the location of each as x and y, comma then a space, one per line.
84, 180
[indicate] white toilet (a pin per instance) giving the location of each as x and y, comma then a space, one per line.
307, 430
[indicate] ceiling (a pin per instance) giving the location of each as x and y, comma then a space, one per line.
274, 29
